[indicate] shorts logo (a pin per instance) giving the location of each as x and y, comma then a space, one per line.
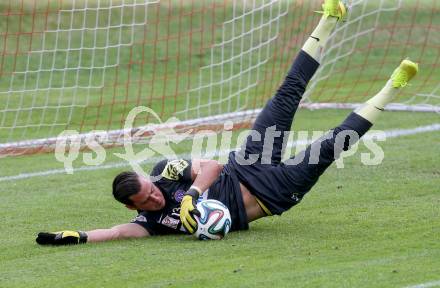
178, 195
170, 222
295, 198
140, 218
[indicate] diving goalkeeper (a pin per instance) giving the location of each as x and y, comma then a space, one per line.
266, 187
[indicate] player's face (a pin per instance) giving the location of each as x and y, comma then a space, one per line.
149, 198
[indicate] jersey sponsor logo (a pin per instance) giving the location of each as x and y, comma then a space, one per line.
170, 222
140, 218
174, 169
178, 195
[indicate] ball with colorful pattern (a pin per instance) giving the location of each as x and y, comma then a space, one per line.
214, 222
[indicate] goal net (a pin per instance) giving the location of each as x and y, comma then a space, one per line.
85, 64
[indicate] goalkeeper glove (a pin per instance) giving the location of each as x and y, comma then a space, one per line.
188, 210
61, 238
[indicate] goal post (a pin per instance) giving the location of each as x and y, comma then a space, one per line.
85, 64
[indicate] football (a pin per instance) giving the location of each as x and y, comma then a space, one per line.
214, 221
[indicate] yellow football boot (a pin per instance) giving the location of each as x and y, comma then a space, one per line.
404, 73
334, 8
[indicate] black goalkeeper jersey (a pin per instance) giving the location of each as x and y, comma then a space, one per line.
174, 181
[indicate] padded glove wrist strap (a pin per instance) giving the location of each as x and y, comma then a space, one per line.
82, 237
193, 192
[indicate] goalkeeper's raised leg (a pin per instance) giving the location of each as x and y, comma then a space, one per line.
333, 12
280, 110
323, 152
280, 185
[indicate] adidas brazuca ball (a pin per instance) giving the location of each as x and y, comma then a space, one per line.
214, 222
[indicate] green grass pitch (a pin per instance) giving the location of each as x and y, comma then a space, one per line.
362, 226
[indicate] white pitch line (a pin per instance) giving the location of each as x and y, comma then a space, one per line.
394, 133
426, 285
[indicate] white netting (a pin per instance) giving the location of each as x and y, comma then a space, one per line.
236, 61
67, 64
84, 64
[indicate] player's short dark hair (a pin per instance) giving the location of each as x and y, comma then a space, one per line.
126, 184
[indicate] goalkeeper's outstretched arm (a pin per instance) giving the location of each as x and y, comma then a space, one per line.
123, 231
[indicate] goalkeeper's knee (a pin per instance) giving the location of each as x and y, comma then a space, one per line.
61, 238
